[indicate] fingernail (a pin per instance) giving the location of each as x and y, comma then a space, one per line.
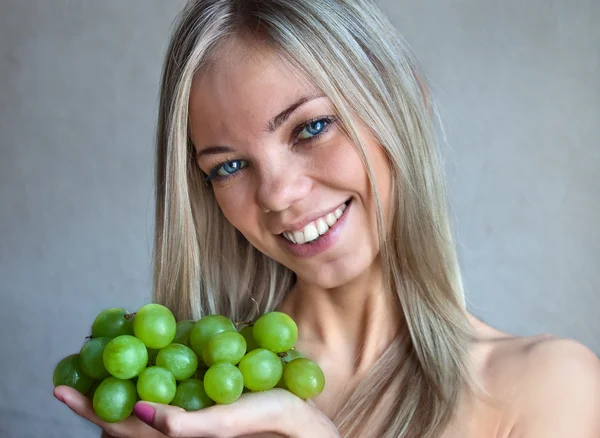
144, 412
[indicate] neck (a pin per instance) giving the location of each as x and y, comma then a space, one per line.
354, 322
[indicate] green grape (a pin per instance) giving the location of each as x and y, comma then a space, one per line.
125, 357
287, 357
206, 328
224, 347
154, 325
112, 322
180, 360
261, 369
68, 372
191, 396
90, 358
275, 331
157, 385
223, 383
304, 378
281, 384
114, 399
182, 333
251, 344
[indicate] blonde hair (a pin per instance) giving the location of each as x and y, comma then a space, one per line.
203, 265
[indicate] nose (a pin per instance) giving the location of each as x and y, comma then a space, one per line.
280, 186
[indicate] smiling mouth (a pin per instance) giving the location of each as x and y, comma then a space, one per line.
313, 231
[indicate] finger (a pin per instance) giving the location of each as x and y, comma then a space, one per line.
252, 413
175, 422
78, 403
82, 406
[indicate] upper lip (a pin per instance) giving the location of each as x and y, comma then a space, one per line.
300, 224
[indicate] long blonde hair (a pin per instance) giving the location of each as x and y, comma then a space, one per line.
203, 265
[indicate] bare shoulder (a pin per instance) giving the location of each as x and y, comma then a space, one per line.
560, 391
547, 386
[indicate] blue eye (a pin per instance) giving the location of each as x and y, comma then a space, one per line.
226, 169
231, 167
313, 129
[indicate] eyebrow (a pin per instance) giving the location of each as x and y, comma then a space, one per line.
271, 126
280, 118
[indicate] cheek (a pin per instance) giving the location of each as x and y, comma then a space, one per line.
383, 178
356, 172
339, 165
234, 204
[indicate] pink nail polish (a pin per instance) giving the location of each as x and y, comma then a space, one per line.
144, 412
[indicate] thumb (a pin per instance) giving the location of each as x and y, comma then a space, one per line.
164, 418
251, 414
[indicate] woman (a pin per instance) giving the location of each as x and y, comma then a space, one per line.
297, 169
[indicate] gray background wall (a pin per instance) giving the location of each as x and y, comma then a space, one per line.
519, 93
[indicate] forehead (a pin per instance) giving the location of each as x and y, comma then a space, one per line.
239, 90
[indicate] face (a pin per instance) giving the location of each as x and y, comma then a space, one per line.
283, 172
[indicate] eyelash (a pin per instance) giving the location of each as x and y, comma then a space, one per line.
328, 120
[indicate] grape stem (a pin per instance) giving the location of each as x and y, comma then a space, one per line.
129, 316
237, 323
257, 307
282, 355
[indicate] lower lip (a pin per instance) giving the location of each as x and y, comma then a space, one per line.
325, 242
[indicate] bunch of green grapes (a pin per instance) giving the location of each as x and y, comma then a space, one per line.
191, 364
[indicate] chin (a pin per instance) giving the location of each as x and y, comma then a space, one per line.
337, 274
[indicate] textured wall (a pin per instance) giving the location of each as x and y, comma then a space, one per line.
519, 95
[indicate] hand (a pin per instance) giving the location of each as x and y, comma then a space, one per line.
254, 414
82, 406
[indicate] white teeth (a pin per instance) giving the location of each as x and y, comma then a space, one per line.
313, 230
299, 237
310, 232
322, 226
330, 219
